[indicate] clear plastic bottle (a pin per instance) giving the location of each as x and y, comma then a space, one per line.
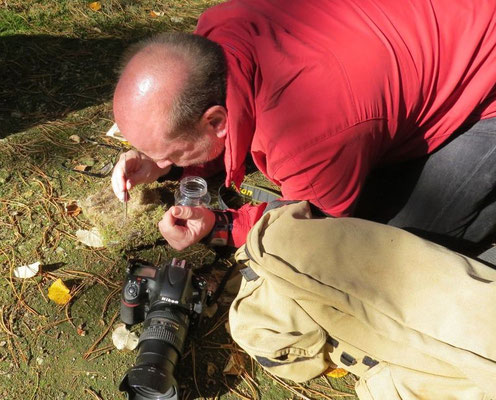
192, 192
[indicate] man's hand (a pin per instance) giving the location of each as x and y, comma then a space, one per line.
183, 226
133, 169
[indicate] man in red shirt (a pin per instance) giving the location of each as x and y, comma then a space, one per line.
324, 95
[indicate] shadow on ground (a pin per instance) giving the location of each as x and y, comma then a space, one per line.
46, 77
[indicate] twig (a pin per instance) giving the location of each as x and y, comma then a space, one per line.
235, 391
248, 380
286, 386
51, 325
335, 392
90, 350
19, 349
220, 321
94, 394
99, 352
3, 325
193, 357
36, 385
41, 292
107, 301
12, 353
78, 274
11, 283
68, 315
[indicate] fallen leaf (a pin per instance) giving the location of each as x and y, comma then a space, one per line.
234, 365
80, 330
59, 292
72, 209
95, 6
177, 20
336, 372
27, 271
115, 133
81, 167
156, 14
90, 238
75, 138
123, 338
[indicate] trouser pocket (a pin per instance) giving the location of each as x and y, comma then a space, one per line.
274, 330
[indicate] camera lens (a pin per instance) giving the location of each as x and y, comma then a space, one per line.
159, 348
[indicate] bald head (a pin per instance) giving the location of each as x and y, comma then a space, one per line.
147, 90
167, 85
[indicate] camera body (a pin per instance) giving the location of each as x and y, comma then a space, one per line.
168, 298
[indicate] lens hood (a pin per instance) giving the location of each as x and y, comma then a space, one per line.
145, 382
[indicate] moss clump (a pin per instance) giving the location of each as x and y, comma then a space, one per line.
145, 209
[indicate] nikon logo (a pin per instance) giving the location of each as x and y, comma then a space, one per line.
246, 192
169, 300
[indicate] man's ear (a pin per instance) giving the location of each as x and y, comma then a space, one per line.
214, 120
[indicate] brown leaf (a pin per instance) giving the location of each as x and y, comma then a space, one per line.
80, 330
234, 366
72, 209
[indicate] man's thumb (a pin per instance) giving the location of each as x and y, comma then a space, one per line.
183, 212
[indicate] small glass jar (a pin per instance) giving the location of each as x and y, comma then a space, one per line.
192, 192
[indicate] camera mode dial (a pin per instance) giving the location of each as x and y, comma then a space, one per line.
132, 291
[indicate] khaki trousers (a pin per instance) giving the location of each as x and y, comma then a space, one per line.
412, 319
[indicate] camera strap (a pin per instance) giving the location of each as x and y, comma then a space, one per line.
252, 193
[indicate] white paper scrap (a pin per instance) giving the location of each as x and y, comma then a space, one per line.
123, 338
90, 238
27, 271
115, 133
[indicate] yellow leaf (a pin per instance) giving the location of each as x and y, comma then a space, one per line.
58, 292
95, 6
156, 14
336, 372
81, 167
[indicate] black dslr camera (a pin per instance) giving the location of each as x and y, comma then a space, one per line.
168, 298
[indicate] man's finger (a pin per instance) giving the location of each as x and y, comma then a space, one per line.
118, 182
179, 237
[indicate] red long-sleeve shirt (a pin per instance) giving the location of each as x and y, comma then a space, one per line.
320, 92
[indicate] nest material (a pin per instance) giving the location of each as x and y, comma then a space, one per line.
145, 209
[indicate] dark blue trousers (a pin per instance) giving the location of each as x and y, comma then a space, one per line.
448, 196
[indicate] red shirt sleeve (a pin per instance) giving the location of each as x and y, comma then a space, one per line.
243, 220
